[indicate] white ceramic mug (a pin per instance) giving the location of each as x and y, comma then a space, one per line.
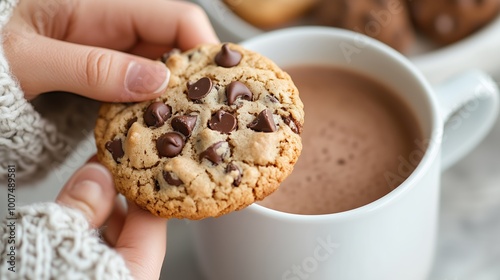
392, 238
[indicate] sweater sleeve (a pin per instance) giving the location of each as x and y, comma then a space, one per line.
50, 241
46, 240
35, 137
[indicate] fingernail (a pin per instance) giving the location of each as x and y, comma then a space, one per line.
85, 186
89, 190
150, 77
85, 191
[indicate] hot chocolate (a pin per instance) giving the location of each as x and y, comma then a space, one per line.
356, 135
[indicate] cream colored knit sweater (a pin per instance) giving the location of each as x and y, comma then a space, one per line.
49, 241
56, 242
37, 136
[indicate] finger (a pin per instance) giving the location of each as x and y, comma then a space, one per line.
114, 225
96, 73
148, 50
93, 158
143, 242
189, 25
168, 23
91, 191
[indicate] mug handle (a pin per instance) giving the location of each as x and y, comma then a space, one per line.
469, 108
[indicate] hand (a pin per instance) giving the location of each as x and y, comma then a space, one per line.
101, 49
136, 234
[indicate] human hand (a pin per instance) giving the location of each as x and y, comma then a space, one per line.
136, 234
101, 49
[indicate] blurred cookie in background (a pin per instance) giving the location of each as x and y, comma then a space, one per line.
385, 20
446, 22
268, 14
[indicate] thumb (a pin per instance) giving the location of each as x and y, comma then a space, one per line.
91, 191
143, 242
97, 73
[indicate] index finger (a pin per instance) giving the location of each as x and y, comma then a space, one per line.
130, 22
173, 21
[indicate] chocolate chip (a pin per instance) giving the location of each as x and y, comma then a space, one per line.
211, 153
156, 114
233, 167
382, 3
171, 180
115, 148
170, 144
237, 89
444, 24
292, 124
130, 123
347, 5
222, 122
466, 3
264, 122
227, 57
368, 19
200, 89
184, 124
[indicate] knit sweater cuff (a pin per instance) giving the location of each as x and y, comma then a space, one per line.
26, 139
56, 242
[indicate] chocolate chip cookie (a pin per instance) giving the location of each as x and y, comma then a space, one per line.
385, 20
224, 134
446, 22
269, 14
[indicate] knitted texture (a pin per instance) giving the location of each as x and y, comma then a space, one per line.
56, 242
26, 139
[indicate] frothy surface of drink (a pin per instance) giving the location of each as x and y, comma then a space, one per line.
356, 137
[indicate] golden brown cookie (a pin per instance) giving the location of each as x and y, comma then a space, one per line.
385, 20
269, 14
224, 134
446, 22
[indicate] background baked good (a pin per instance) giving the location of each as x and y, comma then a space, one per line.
446, 22
385, 20
268, 14
394, 22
